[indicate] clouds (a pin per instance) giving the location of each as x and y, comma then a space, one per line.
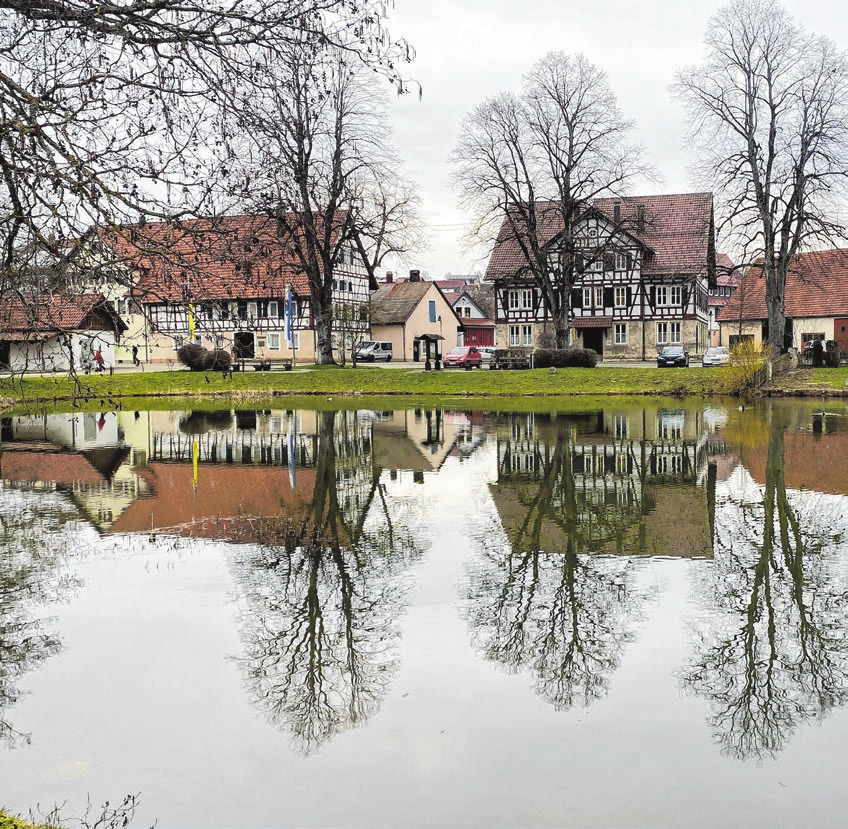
470, 50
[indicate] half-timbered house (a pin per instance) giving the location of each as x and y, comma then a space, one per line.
225, 282
644, 264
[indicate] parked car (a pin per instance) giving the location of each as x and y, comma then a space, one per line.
369, 351
673, 355
717, 355
464, 356
487, 353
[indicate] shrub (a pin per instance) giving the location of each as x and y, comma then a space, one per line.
745, 360
219, 360
565, 358
198, 358
193, 356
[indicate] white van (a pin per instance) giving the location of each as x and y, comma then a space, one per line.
369, 351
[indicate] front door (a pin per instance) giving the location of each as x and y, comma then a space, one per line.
594, 338
243, 348
840, 332
5, 350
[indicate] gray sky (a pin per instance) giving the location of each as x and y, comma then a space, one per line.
471, 49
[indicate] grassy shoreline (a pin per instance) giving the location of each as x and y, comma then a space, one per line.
119, 390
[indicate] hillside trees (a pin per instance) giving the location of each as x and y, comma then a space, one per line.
540, 158
768, 112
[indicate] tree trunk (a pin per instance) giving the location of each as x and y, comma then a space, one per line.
775, 303
560, 316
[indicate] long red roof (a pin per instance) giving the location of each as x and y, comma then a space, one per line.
676, 233
228, 257
816, 286
58, 312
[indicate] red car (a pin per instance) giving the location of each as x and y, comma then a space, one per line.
463, 357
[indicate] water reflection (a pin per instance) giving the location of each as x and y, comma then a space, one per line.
579, 496
771, 653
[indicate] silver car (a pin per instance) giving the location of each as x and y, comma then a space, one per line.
717, 355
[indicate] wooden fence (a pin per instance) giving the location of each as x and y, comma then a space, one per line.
783, 363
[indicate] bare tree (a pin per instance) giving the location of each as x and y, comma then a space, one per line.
768, 113
114, 112
536, 161
315, 150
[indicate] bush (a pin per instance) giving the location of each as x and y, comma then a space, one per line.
746, 358
565, 358
197, 358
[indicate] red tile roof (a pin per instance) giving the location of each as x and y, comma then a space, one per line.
50, 313
816, 286
229, 257
676, 233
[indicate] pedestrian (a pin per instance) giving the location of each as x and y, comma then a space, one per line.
818, 354
98, 360
136, 361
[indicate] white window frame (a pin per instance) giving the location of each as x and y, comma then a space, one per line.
527, 335
676, 295
273, 341
273, 308
587, 297
512, 300
662, 333
620, 261
527, 298
662, 295
674, 333
622, 426
599, 296
620, 296
515, 335
596, 265
620, 333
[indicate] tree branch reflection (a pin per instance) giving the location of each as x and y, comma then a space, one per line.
322, 597
779, 659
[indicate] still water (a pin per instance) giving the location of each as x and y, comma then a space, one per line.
610, 615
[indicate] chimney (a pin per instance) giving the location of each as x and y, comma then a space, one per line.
616, 212
415, 276
390, 277
640, 217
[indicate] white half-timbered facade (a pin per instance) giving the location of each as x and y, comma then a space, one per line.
645, 267
227, 283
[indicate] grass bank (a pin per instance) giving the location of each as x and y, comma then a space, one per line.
119, 390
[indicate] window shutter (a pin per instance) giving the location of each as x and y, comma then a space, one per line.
629, 296
654, 296
609, 298
576, 297
685, 295
609, 261
579, 263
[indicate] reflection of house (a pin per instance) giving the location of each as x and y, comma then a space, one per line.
54, 332
816, 302
611, 481
402, 311
644, 267
418, 440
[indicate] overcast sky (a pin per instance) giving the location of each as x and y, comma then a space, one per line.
468, 50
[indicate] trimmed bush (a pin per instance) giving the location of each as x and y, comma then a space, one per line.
565, 358
198, 358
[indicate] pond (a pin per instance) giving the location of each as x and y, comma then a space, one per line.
613, 614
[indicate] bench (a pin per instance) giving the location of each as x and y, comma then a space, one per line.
286, 363
511, 362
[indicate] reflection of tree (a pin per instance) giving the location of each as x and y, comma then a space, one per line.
31, 574
781, 660
322, 599
549, 609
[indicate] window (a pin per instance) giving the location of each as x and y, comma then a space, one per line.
662, 295
251, 309
335, 285
595, 265
527, 298
587, 297
512, 297
466, 312
262, 308
274, 342
622, 426
621, 261
662, 333
599, 297
515, 335
674, 332
273, 309
527, 335
620, 333
620, 296
295, 340
342, 285
676, 295
432, 306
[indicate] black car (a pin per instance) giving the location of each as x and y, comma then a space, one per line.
673, 355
